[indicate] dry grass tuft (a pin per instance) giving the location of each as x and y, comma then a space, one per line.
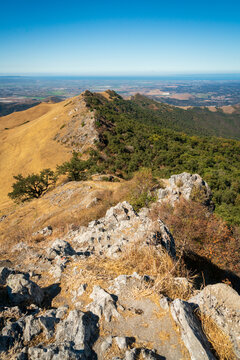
220, 342
155, 262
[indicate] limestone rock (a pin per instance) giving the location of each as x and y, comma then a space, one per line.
185, 186
60, 248
79, 329
23, 291
191, 331
47, 231
103, 304
222, 304
121, 226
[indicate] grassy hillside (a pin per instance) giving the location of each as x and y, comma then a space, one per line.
132, 138
193, 121
28, 144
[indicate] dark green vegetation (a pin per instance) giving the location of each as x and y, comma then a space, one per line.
132, 138
32, 186
74, 169
194, 121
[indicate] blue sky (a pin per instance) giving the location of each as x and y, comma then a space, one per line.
119, 37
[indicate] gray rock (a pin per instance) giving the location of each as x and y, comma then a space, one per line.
23, 291
166, 239
182, 186
79, 329
54, 352
103, 304
164, 303
120, 227
122, 342
31, 329
191, 331
60, 248
131, 354
106, 344
222, 304
47, 231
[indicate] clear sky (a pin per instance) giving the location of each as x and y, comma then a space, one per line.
119, 37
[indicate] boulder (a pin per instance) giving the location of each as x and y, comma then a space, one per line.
60, 248
22, 291
191, 331
103, 304
222, 304
79, 329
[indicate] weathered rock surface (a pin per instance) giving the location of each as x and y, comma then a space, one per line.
120, 226
60, 248
185, 186
222, 304
191, 332
103, 304
23, 291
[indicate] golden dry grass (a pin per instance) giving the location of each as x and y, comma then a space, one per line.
219, 341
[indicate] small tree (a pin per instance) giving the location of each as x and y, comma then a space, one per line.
32, 186
75, 168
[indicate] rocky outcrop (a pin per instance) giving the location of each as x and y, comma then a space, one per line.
186, 186
79, 132
222, 304
121, 226
191, 332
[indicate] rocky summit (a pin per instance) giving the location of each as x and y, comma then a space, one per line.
115, 289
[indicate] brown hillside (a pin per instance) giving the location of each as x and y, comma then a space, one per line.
42, 137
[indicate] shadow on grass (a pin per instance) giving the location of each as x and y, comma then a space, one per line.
209, 273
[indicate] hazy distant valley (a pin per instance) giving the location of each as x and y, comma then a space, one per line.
21, 92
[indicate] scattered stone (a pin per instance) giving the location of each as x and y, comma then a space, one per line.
47, 231
191, 331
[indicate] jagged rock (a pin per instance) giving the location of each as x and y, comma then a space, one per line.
79, 292
150, 355
185, 186
55, 352
79, 329
106, 344
166, 239
23, 291
31, 329
103, 304
4, 273
120, 226
164, 303
60, 248
47, 231
131, 354
122, 342
222, 304
191, 331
